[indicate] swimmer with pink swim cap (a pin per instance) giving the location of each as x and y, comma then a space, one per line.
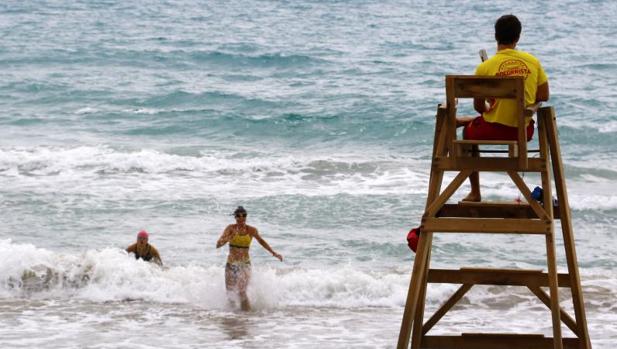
143, 250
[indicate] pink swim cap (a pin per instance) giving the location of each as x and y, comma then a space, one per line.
142, 234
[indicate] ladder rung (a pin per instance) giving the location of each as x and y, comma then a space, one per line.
497, 151
491, 209
495, 341
492, 164
484, 142
486, 225
487, 276
487, 210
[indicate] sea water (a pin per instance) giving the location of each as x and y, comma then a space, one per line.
316, 116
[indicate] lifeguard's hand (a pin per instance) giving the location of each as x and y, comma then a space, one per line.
280, 258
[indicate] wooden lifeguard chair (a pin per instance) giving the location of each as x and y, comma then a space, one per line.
533, 217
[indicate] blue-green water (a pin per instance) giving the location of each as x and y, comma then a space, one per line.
318, 117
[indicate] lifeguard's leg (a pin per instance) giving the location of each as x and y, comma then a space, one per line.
474, 180
464, 120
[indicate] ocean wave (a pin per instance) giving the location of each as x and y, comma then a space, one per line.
98, 169
264, 60
183, 98
162, 57
110, 274
91, 167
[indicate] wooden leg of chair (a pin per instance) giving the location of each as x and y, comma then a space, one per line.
552, 280
550, 238
418, 322
548, 116
415, 286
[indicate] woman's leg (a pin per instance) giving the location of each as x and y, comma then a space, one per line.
231, 280
244, 276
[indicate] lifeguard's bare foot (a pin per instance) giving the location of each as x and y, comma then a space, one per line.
472, 197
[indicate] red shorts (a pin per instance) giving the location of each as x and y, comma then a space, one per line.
480, 129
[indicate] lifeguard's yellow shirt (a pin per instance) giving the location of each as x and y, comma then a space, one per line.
511, 62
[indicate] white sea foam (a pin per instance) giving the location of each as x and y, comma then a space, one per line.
119, 174
110, 275
98, 169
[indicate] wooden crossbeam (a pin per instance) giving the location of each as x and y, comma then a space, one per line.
447, 193
486, 225
484, 142
490, 210
565, 317
489, 164
489, 276
495, 341
445, 307
485, 86
520, 183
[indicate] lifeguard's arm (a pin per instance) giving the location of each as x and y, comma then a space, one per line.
225, 237
265, 245
479, 104
156, 257
131, 249
543, 93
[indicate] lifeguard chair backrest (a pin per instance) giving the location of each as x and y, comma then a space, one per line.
473, 86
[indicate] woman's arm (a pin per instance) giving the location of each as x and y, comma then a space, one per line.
225, 237
265, 245
156, 257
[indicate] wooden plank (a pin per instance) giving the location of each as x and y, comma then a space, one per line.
473, 86
413, 294
484, 142
495, 341
439, 137
522, 125
446, 307
439, 149
450, 130
416, 334
565, 317
486, 225
420, 270
491, 164
487, 209
490, 209
551, 254
488, 276
548, 117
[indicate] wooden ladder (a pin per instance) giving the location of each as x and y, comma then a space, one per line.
533, 217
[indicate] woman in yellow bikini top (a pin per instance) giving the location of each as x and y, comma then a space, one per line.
238, 267
241, 240
239, 246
